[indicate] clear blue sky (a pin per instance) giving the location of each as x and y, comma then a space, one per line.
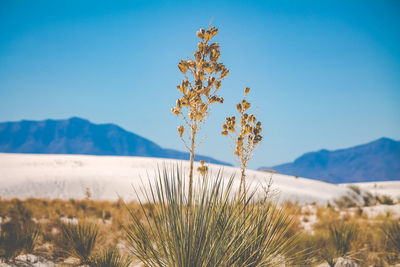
324, 74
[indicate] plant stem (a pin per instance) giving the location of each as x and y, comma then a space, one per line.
243, 183
191, 165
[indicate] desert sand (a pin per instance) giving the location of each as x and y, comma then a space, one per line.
110, 177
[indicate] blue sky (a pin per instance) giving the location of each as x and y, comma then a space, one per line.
324, 74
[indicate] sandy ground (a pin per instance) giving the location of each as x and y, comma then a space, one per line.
110, 177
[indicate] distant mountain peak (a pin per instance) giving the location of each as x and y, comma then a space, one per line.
78, 119
378, 160
76, 135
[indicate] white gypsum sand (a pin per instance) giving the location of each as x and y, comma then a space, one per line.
389, 188
109, 177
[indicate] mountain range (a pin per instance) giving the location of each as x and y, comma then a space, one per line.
80, 136
375, 161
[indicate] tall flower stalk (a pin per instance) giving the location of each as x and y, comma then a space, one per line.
202, 80
245, 135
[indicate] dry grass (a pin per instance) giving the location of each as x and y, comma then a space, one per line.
375, 246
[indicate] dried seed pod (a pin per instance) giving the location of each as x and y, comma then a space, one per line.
224, 73
184, 86
202, 47
217, 85
182, 66
208, 68
248, 128
197, 56
239, 107
202, 77
246, 105
200, 33
257, 139
215, 54
246, 90
199, 116
206, 91
207, 36
214, 45
202, 170
191, 115
178, 103
213, 99
181, 130
203, 108
212, 32
176, 111
185, 101
180, 88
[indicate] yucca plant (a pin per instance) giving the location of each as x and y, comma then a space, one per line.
20, 234
202, 80
339, 242
267, 242
211, 231
342, 235
391, 233
30, 237
245, 136
110, 257
10, 240
79, 240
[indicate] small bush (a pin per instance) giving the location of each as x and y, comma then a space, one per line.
20, 234
78, 240
110, 258
337, 242
345, 202
355, 189
392, 232
342, 235
387, 200
369, 199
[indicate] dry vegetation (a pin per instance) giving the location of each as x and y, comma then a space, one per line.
37, 226
58, 229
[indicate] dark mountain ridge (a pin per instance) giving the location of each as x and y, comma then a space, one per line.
80, 136
375, 161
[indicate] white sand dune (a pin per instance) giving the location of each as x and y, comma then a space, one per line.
390, 188
110, 177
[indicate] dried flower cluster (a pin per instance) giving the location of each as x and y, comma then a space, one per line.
207, 74
203, 77
203, 169
245, 135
